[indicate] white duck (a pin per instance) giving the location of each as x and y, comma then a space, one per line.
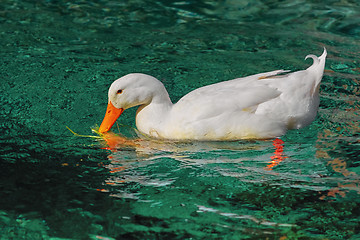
260, 106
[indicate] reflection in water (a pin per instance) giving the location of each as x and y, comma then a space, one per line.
114, 141
144, 167
278, 154
130, 161
129, 157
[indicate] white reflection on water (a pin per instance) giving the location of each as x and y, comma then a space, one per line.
247, 217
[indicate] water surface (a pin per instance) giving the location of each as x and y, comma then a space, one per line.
58, 60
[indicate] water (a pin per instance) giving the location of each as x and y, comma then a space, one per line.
58, 60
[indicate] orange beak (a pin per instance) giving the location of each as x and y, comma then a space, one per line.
112, 113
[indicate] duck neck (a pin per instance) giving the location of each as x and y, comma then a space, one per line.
151, 117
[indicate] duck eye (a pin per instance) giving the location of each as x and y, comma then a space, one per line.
119, 91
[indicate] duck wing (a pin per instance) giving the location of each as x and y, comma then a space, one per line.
237, 95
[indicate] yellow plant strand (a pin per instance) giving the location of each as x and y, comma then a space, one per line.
79, 135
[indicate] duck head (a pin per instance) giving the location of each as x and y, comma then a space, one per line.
128, 91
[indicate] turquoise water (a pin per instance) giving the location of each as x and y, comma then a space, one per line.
58, 60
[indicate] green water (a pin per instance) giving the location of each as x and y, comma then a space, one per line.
58, 59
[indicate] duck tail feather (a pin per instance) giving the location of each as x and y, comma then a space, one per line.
317, 60
323, 55
317, 69
314, 57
